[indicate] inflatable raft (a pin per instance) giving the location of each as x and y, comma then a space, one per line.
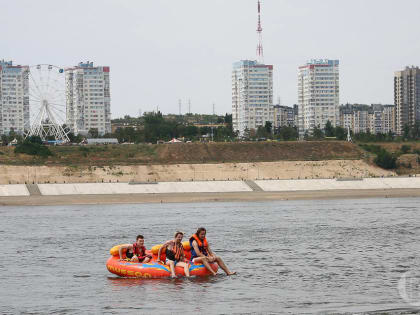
152, 269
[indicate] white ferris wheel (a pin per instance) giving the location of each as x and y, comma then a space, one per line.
47, 103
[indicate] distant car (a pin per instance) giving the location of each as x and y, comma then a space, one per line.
262, 139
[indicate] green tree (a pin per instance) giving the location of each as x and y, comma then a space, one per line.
317, 133
268, 126
329, 129
340, 133
93, 133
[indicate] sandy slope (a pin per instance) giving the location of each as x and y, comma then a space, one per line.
188, 172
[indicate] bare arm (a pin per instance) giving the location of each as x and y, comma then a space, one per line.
197, 250
160, 250
209, 251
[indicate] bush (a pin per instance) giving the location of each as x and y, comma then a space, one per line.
386, 160
405, 149
33, 148
372, 148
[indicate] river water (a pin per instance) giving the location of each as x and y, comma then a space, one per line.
295, 257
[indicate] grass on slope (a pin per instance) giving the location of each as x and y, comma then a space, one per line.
187, 153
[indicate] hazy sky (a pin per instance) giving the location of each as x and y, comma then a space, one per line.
160, 51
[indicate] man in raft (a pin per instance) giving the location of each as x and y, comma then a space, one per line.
202, 254
175, 254
136, 252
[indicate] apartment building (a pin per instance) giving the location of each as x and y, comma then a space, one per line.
252, 95
376, 118
283, 116
88, 99
407, 97
318, 94
14, 98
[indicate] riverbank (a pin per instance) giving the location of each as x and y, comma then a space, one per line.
209, 191
206, 197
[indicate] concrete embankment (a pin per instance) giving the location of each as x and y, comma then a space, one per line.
98, 193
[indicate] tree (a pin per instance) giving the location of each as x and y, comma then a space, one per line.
406, 131
93, 133
268, 125
340, 133
4, 140
329, 129
287, 133
317, 133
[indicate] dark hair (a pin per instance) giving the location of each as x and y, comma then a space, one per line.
178, 232
139, 236
199, 230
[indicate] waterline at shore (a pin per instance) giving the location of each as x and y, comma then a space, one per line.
206, 197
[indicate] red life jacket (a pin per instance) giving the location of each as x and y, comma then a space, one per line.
139, 251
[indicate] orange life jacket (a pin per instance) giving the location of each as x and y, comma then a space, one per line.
177, 250
202, 245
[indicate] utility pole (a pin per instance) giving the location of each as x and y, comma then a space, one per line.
189, 106
180, 106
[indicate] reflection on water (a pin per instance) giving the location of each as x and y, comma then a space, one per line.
292, 257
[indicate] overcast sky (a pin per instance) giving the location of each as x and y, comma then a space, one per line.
160, 51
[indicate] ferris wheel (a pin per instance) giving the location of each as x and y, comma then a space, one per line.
47, 103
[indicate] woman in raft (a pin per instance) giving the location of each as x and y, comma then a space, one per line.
202, 254
136, 252
175, 254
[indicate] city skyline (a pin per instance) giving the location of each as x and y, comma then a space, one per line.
161, 45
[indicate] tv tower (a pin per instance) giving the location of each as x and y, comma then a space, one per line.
260, 51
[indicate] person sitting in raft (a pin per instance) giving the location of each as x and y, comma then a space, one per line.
136, 252
175, 254
202, 254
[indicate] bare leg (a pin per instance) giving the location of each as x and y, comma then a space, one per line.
186, 268
172, 267
222, 265
146, 260
206, 264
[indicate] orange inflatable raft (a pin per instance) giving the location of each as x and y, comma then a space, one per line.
152, 269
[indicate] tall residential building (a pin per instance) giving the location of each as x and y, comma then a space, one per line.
252, 95
407, 97
14, 98
88, 100
318, 94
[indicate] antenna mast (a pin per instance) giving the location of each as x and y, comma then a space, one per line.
260, 51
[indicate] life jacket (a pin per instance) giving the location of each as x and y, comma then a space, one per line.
177, 250
202, 246
139, 251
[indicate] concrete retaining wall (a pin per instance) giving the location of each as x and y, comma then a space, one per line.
13, 190
210, 186
331, 184
158, 188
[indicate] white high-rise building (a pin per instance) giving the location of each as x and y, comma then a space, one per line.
14, 98
88, 100
252, 95
318, 94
